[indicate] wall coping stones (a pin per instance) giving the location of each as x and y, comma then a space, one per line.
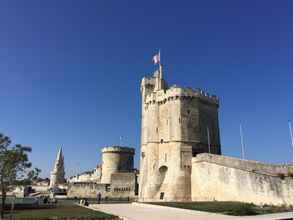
247, 165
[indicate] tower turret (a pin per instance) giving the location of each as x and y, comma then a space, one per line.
58, 172
159, 81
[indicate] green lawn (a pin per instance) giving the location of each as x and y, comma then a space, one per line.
227, 208
63, 211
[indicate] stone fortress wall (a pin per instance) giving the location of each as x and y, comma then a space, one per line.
115, 178
86, 190
174, 128
176, 163
88, 176
123, 185
225, 178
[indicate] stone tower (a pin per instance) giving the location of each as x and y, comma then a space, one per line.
58, 172
116, 159
175, 126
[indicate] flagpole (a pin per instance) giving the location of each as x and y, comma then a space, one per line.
160, 64
290, 130
242, 141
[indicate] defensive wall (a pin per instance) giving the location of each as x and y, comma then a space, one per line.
123, 185
223, 178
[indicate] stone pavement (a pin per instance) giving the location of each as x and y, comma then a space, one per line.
136, 211
276, 216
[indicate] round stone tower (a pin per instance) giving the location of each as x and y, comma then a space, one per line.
116, 159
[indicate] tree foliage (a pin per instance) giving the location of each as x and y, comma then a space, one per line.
15, 167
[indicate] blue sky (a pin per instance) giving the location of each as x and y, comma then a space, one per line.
70, 72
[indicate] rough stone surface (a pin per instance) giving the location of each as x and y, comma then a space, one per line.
123, 185
174, 128
116, 159
115, 178
86, 190
88, 176
224, 178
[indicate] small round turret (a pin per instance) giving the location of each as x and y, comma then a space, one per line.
116, 159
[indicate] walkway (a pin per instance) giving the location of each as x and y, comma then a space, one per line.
137, 211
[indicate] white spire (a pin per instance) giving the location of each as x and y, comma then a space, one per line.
58, 172
59, 155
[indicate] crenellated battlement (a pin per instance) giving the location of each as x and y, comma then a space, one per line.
118, 149
156, 91
177, 93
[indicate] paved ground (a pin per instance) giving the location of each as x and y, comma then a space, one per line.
150, 212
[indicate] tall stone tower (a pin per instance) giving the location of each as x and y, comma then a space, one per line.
58, 172
176, 123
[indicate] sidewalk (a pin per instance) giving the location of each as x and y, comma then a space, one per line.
138, 211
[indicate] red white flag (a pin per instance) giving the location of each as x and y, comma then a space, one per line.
157, 58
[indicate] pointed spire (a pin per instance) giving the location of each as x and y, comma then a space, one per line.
58, 172
59, 159
59, 155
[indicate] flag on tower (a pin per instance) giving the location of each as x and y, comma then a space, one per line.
157, 58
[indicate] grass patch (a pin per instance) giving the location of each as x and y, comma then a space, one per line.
227, 208
63, 211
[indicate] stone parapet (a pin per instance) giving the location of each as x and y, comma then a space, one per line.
221, 178
247, 165
175, 93
118, 149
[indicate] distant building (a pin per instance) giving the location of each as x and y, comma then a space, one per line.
114, 178
58, 172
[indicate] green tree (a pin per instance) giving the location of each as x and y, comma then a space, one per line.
15, 168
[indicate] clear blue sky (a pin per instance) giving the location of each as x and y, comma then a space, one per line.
70, 72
